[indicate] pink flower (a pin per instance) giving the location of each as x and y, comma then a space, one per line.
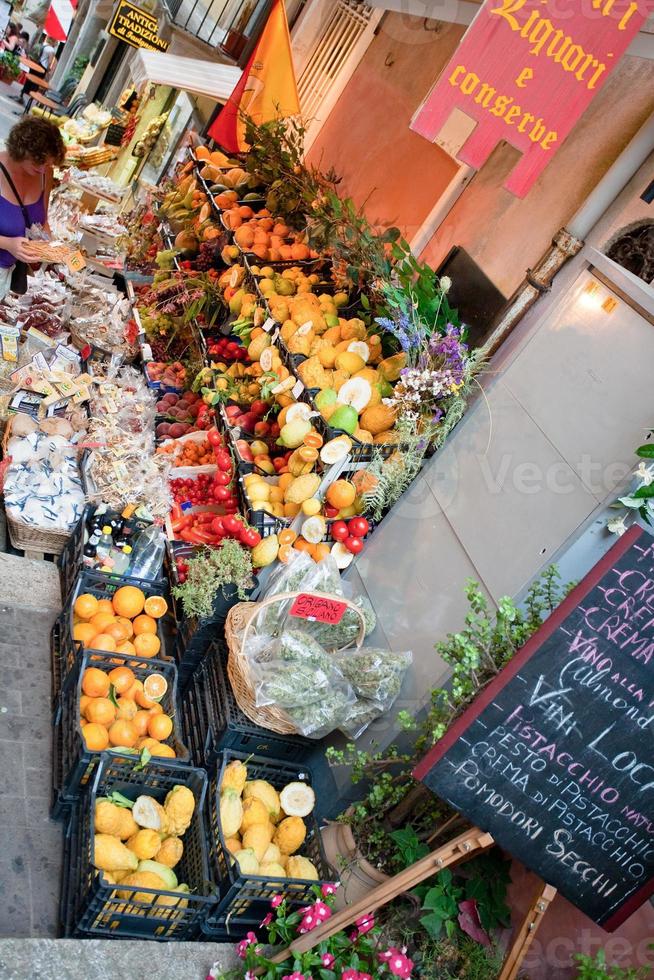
365, 976
350, 975
398, 963
249, 940
329, 889
327, 959
250, 975
266, 920
314, 915
322, 911
294, 976
365, 923
277, 901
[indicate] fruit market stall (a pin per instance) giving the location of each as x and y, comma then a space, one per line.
208, 451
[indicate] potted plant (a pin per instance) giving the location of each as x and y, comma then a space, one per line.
216, 579
397, 820
9, 67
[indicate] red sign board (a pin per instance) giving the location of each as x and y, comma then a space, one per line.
525, 71
318, 607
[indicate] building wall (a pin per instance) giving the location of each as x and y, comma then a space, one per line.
367, 139
400, 176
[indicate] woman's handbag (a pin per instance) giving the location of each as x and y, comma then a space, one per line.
19, 272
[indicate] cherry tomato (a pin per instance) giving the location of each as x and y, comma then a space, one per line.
339, 531
222, 479
222, 494
330, 512
223, 460
358, 527
353, 545
214, 437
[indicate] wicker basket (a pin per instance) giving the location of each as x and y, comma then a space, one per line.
239, 621
24, 536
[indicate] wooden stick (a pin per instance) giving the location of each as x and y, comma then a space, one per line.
525, 937
454, 852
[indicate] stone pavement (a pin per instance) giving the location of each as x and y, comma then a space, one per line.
30, 843
10, 111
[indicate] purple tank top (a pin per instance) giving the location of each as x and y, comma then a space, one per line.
12, 223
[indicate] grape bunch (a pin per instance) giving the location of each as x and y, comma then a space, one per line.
206, 257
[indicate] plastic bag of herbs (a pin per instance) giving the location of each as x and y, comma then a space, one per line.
303, 574
376, 677
296, 674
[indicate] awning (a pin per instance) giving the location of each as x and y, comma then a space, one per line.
189, 74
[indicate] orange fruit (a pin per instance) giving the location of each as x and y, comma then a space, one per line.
147, 645
321, 551
144, 624
95, 737
140, 697
83, 723
86, 605
104, 642
125, 647
104, 606
301, 544
163, 751
155, 686
101, 620
117, 630
127, 623
83, 701
147, 743
156, 709
122, 679
123, 733
84, 633
100, 711
341, 493
128, 601
160, 727
285, 553
126, 709
95, 683
156, 606
140, 722
136, 686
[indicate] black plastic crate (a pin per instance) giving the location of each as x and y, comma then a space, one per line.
104, 587
57, 666
94, 907
71, 560
73, 764
213, 720
243, 897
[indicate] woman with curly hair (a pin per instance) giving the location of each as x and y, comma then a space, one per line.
34, 147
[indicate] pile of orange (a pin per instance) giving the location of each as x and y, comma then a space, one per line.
119, 710
127, 623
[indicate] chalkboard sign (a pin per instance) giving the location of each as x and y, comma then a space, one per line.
555, 758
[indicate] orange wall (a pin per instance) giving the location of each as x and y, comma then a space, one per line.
400, 176
366, 139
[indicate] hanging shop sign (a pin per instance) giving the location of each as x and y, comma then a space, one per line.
524, 72
554, 757
136, 27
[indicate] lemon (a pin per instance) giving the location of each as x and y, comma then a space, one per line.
311, 506
314, 530
297, 800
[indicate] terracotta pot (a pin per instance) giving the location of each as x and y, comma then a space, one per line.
357, 876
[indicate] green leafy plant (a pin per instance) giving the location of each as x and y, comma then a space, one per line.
641, 499
440, 905
9, 65
212, 571
596, 968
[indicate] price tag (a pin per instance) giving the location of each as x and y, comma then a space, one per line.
297, 389
275, 335
146, 352
317, 608
233, 279
76, 262
268, 325
305, 328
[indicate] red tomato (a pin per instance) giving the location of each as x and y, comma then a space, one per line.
330, 512
222, 494
250, 538
214, 437
231, 524
358, 527
217, 526
339, 531
223, 460
353, 545
222, 479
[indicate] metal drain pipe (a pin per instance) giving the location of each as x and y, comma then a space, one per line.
570, 240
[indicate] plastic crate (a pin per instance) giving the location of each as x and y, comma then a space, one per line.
104, 587
73, 764
71, 560
213, 720
57, 667
241, 897
94, 907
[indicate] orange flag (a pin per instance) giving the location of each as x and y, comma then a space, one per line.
267, 88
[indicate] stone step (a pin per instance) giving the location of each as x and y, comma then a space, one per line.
106, 959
